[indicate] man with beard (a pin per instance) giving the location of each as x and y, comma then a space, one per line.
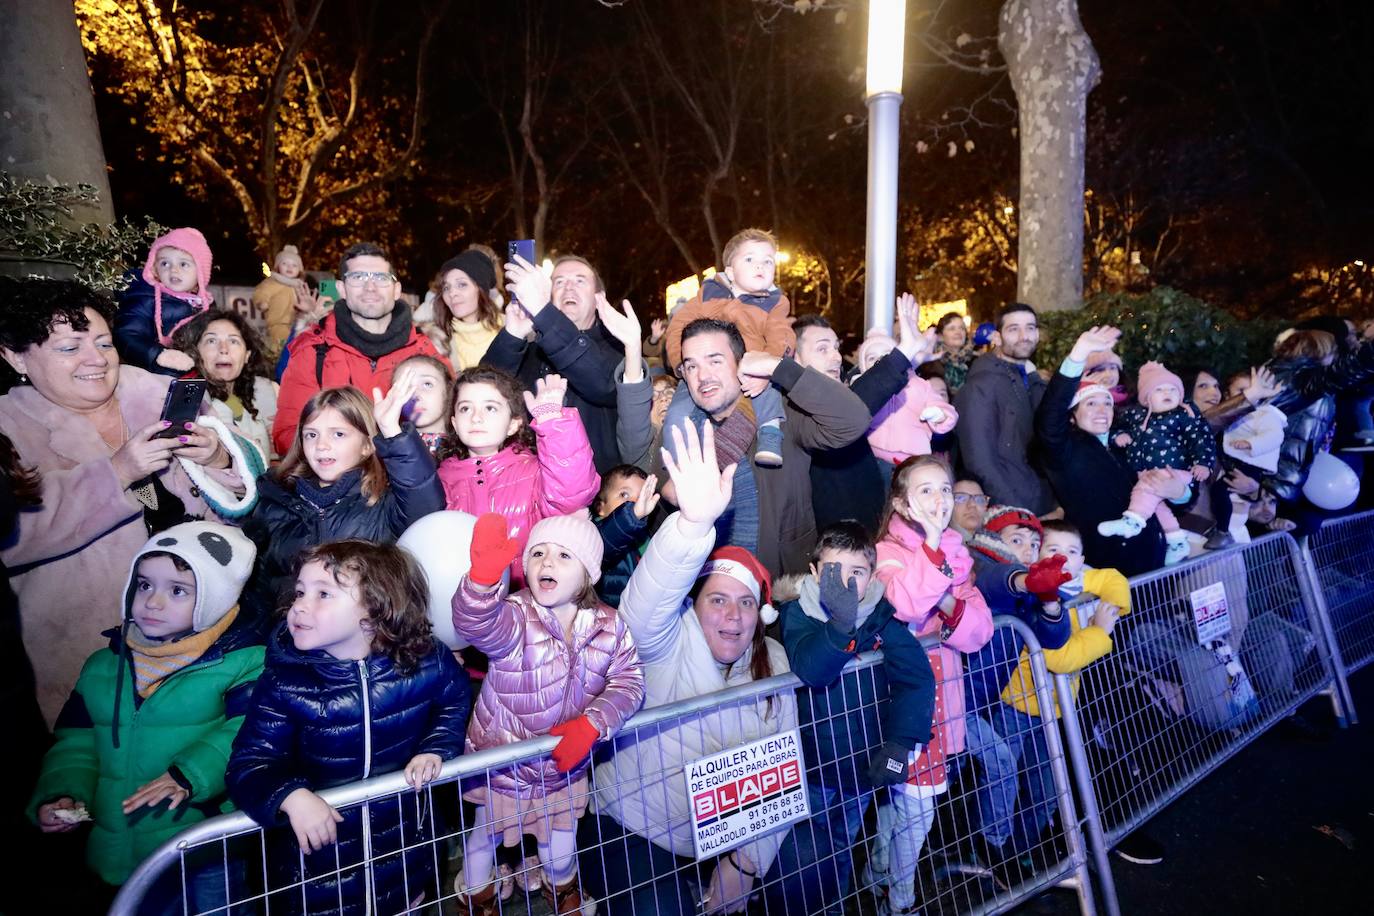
567, 339
997, 414
368, 334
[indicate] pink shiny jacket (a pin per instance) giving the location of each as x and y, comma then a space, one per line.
557, 479
914, 586
898, 432
538, 678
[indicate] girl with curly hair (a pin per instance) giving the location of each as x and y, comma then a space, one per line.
523, 456
355, 685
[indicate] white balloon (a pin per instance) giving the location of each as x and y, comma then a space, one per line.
1331, 483
440, 543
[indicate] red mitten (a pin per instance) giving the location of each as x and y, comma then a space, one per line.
491, 550
1045, 576
578, 737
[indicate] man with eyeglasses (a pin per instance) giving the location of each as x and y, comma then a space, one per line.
367, 335
970, 508
558, 331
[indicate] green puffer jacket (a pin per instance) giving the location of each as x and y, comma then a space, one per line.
189, 723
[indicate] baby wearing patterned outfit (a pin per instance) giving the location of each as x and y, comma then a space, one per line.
1169, 444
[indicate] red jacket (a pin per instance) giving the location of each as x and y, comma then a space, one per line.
343, 365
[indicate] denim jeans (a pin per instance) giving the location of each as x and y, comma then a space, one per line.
998, 789
816, 861
903, 823
1025, 740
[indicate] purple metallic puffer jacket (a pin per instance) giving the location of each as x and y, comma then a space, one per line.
537, 679
561, 478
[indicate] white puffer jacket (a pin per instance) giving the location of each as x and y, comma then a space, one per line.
642, 786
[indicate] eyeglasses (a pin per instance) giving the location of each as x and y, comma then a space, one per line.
961, 498
363, 277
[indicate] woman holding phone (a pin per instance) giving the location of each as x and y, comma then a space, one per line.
90, 429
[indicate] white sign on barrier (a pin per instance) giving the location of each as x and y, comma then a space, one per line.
746, 791
1211, 617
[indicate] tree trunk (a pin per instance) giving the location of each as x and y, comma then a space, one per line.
50, 131
1052, 66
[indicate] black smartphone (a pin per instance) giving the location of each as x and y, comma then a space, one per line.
182, 405
522, 247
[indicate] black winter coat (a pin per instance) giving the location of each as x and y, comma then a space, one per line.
838, 712
1093, 484
317, 722
1308, 401
587, 359
846, 482
288, 519
135, 325
997, 406
623, 535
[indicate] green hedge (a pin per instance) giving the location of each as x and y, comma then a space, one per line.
1162, 324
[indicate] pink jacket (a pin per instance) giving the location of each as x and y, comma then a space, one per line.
898, 432
70, 561
914, 585
558, 479
537, 678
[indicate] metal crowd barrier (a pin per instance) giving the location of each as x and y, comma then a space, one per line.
401, 851
1025, 805
1342, 553
1169, 705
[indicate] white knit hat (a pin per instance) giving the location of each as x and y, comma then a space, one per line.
220, 557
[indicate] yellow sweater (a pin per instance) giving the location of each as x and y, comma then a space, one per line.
1086, 644
468, 342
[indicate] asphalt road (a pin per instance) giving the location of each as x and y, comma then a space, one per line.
1286, 826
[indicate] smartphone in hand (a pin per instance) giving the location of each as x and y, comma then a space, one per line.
522, 247
182, 406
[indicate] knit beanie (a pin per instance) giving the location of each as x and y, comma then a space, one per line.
1000, 517
745, 568
992, 547
875, 342
288, 253
574, 533
1087, 389
1153, 375
1099, 359
220, 557
193, 243
476, 265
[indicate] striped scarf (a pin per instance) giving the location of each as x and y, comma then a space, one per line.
155, 660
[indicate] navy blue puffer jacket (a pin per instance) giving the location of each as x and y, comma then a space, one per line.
135, 324
318, 722
292, 516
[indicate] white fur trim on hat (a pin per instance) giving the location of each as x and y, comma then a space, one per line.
745, 576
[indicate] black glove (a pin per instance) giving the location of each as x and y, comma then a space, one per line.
839, 600
888, 767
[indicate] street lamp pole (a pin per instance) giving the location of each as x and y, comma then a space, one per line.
883, 96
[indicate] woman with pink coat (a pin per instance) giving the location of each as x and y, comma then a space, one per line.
925, 570
905, 424
561, 663
523, 456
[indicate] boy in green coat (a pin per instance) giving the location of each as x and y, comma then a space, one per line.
143, 741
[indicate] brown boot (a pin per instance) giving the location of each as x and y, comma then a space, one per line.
482, 903
566, 899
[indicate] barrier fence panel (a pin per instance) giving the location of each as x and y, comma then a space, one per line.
755, 797
1213, 652
1342, 552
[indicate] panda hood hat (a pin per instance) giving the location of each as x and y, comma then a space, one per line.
220, 558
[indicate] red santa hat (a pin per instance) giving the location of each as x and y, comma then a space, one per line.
1087, 389
745, 568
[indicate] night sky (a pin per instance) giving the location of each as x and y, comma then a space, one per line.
1242, 132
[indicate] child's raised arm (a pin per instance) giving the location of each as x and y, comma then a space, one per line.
567, 470
481, 612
